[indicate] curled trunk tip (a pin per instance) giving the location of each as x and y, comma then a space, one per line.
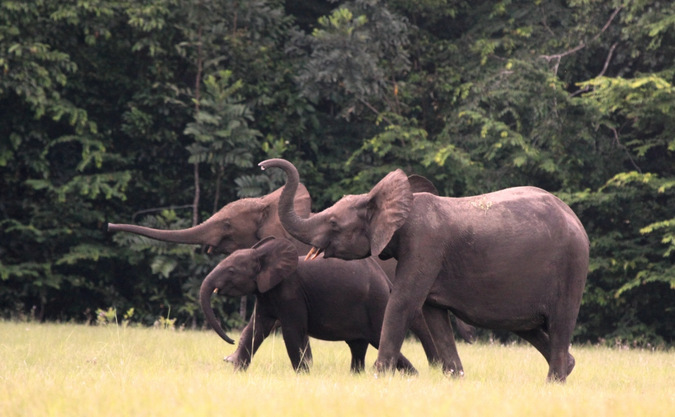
205, 292
299, 228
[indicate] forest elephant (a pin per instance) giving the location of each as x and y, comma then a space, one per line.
327, 299
514, 259
242, 223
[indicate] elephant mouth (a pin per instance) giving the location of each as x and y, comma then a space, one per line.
217, 250
330, 252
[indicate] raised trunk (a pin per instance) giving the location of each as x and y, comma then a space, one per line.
205, 300
300, 228
193, 235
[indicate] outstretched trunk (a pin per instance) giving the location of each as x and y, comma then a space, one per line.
300, 228
205, 300
193, 235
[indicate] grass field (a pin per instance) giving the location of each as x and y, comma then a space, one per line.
73, 370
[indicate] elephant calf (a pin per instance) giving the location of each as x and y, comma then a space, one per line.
328, 299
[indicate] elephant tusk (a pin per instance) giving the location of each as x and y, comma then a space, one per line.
313, 253
317, 253
215, 290
209, 250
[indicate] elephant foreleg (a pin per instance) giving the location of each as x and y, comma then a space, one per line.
439, 324
257, 329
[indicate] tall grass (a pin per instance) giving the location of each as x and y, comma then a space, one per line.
73, 370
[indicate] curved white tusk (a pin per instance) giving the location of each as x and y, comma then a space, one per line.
316, 253
311, 254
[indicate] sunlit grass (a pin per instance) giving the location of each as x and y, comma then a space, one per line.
71, 370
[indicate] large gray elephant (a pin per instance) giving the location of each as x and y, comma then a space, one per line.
514, 259
327, 299
240, 224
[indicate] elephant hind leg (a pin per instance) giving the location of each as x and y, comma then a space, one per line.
541, 340
420, 329
404, 365
441, 330
562, 362
358, 349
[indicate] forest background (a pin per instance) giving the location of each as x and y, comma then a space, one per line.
156, 112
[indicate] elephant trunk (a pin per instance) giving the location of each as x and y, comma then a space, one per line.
300, 228
205, 292
193, 235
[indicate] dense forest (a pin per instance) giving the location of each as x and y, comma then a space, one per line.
156, 112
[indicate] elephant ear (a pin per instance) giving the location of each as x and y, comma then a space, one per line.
262, 242
278, 259
389, 204
420, 184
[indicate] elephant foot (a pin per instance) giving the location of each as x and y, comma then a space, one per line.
387, 368
409, 371
453, 373
570, 363
303, 368
407, 368
466, 332
556, 377
453, 368
383, 367
239, 365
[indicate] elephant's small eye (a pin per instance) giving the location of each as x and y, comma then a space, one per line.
333, 224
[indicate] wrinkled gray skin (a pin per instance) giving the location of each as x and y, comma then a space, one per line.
515, 260
242, 223
327, 299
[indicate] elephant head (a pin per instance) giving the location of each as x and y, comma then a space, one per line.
357, 226
248, 271
235, 226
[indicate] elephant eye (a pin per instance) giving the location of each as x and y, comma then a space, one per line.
334, 224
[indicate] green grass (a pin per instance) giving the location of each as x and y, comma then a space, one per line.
73, 370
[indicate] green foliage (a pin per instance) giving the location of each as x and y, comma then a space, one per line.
221, 132
356, 54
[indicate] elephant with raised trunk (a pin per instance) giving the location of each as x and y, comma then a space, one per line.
327, 299
240, 224
514, 259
